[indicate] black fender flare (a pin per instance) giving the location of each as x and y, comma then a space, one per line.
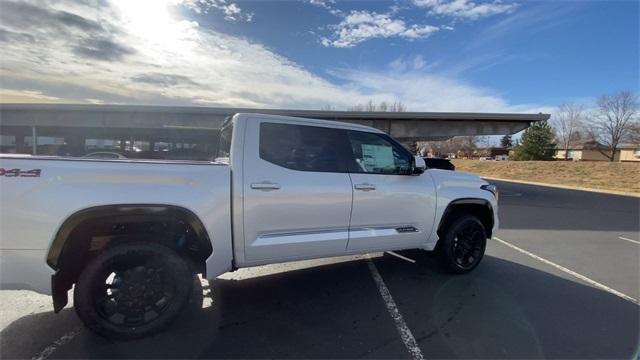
123, 210
466, 201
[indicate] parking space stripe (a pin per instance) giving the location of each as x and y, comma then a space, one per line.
44, 354
401, 257
570, 272
403, 329
627, 239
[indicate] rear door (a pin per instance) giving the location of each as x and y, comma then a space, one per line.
297, 192
392, 208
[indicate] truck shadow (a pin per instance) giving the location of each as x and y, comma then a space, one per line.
502, 310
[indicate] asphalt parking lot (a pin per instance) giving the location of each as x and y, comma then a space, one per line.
560, 281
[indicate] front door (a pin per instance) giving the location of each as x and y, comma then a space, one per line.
392, 208
297, 192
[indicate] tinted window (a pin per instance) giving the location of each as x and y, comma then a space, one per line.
304, 148
376, 154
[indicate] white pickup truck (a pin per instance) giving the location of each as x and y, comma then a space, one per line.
129, 236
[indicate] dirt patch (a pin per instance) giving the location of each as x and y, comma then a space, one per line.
587, 174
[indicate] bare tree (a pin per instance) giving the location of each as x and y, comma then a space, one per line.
370, 107
614, 121
383, 106
567, 122
397, 106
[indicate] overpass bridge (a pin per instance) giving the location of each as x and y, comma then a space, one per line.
25, 121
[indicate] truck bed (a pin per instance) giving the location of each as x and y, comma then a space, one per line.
39, 193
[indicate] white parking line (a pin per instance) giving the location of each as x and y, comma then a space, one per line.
570, 272
401, 257
629, 240
44, 354
403, 329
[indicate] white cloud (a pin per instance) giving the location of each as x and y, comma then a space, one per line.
465, 9
328, 5
423, 91
231, 11
359, 26
403, 64
138, 52
148, 56
26, 96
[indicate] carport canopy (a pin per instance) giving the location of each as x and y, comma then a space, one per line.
404, 126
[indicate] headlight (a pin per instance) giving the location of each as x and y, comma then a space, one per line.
491, 188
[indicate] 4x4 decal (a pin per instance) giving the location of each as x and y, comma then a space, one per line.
20, 172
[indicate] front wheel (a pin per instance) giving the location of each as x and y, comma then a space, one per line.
462, 247
133, 290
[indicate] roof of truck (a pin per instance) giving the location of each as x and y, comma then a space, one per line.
321, 122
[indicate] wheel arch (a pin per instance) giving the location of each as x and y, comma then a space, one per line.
480, 208
62, 254
127, 211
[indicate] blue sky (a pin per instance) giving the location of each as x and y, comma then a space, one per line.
433, 55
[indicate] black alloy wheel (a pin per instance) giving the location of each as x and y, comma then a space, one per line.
133, 290
463, 245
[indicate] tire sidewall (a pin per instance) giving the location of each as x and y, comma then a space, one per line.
179, 269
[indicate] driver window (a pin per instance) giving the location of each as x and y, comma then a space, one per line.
375, 154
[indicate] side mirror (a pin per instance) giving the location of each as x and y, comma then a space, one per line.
419, 166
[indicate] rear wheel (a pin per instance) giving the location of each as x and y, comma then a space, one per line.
462, 247
133, 290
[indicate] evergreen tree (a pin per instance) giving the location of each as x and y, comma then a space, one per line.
506, 141
537, 143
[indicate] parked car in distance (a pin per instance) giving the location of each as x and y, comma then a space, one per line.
438, 163
105, 155
130, 236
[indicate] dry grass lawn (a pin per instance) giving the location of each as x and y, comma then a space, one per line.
587, 174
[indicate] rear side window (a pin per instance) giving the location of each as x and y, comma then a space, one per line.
304, 148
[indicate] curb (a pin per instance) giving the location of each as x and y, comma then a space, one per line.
611, 192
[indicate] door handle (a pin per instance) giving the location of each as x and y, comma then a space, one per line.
364, 187
265, 185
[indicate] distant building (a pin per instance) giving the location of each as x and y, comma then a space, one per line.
495, 153
591, 151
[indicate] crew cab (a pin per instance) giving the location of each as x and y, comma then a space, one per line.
129, 236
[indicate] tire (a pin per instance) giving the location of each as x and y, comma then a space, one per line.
462, 247
133, 290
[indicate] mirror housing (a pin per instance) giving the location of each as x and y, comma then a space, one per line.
419, 166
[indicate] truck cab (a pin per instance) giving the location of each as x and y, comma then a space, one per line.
308, 188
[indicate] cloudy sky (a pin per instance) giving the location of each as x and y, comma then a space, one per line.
433, 55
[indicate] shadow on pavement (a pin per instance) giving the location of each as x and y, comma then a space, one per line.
506, 310
502, 310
